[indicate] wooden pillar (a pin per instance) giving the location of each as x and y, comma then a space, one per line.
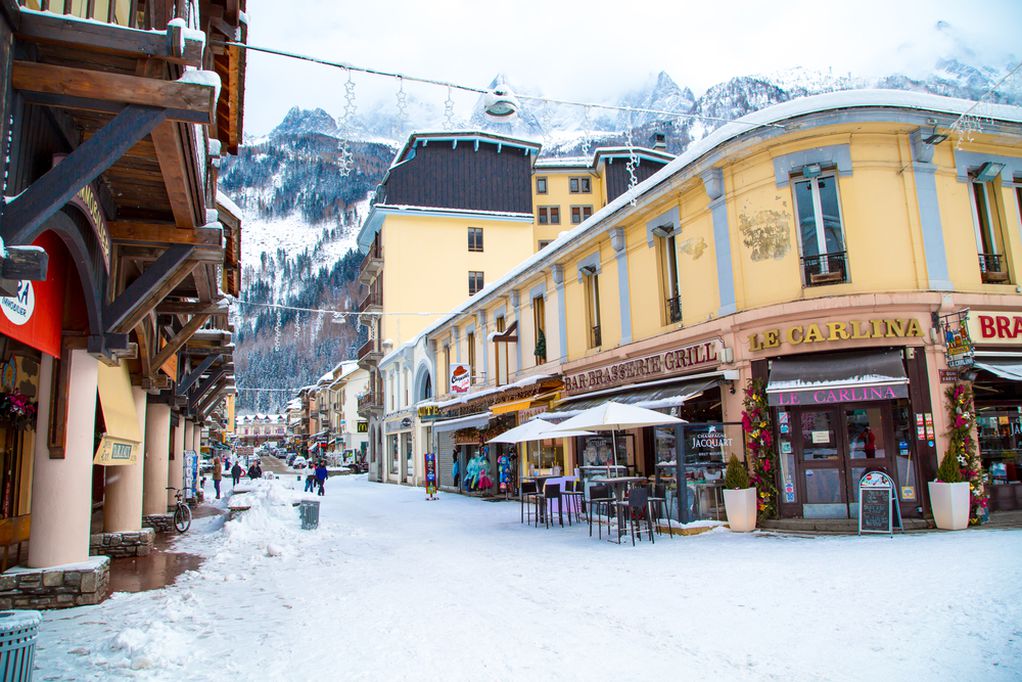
157, 446
122, 503
62, 488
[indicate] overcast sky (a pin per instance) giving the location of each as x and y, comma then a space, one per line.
595, 50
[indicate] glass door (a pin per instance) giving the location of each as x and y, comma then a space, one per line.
868, 428
819, 448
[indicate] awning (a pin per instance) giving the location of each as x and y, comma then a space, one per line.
837, 378
519, 405
121, 440
1009, 368
474, 421
659, 397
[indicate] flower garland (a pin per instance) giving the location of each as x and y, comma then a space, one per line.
759, 442
17, 410
962, 416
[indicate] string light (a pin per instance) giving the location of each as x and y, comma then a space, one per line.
587, 133
402, 107
276, 334
633, 160
449, 110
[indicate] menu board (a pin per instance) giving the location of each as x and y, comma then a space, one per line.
877, 503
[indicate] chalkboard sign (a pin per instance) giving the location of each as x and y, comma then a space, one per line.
876, 503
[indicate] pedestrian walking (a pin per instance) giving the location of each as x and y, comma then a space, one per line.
310, 478
321, 475
236, 472
218, 473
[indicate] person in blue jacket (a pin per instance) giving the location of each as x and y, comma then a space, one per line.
321, 475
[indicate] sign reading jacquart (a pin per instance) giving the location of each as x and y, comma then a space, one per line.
996, 327
663, 364
825, 332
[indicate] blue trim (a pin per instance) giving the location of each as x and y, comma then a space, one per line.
966, 160
924, 175
538, 290
623, 285
485, 374
838, 155
670, 218
592, 261
502, 310
562, 321
722, 247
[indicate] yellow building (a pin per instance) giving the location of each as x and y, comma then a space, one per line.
813, 246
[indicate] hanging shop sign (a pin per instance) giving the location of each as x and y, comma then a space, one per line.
661, 365
35, 314
461, 378
958, 350
362, 427
827, 332
995, 327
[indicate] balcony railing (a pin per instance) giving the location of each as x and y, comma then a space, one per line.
826, 268
674, 309
371, 264
992, 268
148, 15
369, 402
595, 338
372, 302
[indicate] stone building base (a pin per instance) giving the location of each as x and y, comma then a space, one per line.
124, 544
56, 587
162, 523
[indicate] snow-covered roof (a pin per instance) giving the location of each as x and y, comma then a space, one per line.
228, 204
564, 162
427, 136
756, 121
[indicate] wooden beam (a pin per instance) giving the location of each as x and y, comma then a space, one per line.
54, 29
25, 215
212, 399
179, 339
114, 87
57, 101
203, 387
179, 180
163, 233
141, 296
191, 308
21, 263
193, 376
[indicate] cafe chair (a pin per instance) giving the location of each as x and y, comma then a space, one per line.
552, 492
633, 512
573, 493
659, 509
598, 506
527, 494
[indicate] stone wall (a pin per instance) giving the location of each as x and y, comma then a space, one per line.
162, 523
56, 588
123, 544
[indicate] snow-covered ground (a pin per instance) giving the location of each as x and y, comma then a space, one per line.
393, 587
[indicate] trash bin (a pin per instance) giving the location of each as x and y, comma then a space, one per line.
18, 631
309, 511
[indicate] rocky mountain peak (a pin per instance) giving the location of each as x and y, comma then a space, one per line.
299, 121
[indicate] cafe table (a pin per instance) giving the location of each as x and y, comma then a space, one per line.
541, 480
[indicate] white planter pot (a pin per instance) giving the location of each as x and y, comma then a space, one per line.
741, 509
950, 504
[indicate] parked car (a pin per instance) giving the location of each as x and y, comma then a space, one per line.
299, 463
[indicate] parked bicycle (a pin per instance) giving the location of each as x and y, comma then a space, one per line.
182, 513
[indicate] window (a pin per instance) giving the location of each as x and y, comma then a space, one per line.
475, 239
821, 237
500, 352
579, 186
470, 338
539, 329
543, 243
989, 236
475, 282
540, 185
591, 280
669, 277
549, 215
580, 213
447, 370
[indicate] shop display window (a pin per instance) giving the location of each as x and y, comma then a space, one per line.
546, 457
394, 458
409, 455
1000, 443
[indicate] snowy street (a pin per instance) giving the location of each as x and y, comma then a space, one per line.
470, 593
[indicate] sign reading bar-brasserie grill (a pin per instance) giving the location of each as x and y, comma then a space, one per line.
664, 364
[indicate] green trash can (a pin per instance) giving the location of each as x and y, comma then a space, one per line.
309, 511
18, 631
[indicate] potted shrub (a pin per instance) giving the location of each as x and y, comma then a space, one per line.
739, 497
949, 495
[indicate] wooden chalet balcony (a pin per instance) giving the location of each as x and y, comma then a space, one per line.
371, 265
368, 355
369, 404
372, 303
154, 14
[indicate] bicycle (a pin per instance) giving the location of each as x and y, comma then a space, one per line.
182, 514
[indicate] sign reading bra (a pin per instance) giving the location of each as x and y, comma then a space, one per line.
995, 327
661, 365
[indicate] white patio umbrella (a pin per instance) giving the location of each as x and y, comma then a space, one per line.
536, 429
611, 416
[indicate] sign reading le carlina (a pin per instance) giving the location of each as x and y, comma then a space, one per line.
664, 364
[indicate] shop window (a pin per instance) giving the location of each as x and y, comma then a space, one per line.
549, 215
989, 227
669, 275
475, 282
394, 456
820, 231
475, 239
580, 185
541, 186
470, 339
580, 213
539, 329
545, 457
409, 457
447, 370
591, 282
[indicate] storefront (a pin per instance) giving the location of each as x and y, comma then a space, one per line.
400, 449
997, 387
